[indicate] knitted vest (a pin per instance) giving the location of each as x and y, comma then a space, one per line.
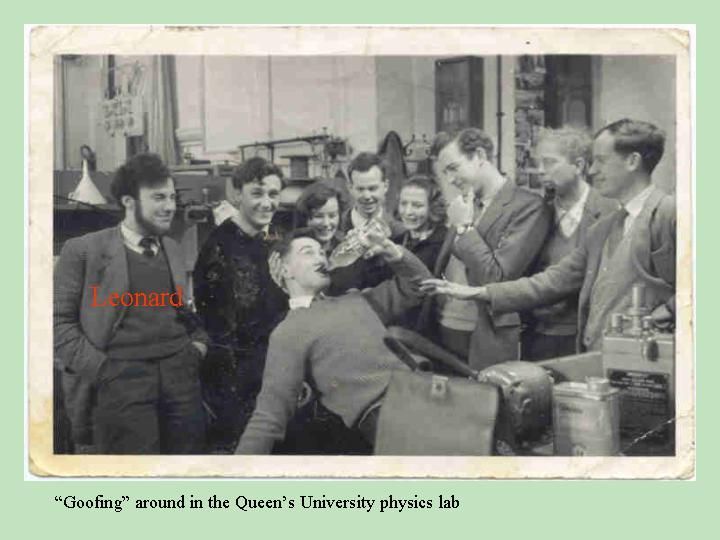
148, 332
561, 320
612, 291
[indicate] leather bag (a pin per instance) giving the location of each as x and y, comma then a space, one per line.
435, 415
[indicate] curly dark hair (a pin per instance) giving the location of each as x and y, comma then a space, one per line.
365, 161
468, 141
141, 170
282, 246
313, 197
636, 136
254, 170
437, 208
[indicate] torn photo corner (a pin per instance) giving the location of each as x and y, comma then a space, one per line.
315, 105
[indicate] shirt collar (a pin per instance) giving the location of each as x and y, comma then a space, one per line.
576, 210
300, 302
421, 236
635, 205
358, 220
132, 238
303, 301
488, 199
261, 234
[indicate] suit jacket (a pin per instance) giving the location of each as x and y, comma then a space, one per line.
596, 206
82, 332
653, 255
503, 246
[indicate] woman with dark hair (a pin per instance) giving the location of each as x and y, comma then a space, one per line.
422, 211
319, 208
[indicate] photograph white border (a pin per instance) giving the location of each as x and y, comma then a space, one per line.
47, 41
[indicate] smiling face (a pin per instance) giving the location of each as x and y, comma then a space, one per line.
414, 208
463, 172
151, 214
611, 172
368, 190
305, 270
324, 221
258, 201
556, 169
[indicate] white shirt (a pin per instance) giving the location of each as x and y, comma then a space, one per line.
359, 221
300, 302
568, 220
635, 206
131, 239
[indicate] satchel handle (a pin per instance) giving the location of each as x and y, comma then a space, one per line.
401, 352
427, 348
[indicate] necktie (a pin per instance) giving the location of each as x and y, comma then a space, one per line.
147, 244
616, 232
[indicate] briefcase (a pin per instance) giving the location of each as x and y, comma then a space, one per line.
434, 415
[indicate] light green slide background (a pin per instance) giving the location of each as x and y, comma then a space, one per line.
488, 509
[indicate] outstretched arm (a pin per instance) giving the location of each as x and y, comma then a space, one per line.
547, 287
277, 401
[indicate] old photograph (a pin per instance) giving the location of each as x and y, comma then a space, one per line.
298, 262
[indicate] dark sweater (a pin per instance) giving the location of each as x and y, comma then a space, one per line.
237, 300
337, 344
148, 332
560, 319
427, 251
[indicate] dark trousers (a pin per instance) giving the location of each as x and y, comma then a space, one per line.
456, 341
151, 406
317, 430
231, 381
536, 347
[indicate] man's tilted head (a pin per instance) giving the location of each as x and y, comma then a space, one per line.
299, 265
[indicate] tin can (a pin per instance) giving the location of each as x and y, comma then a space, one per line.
586, 418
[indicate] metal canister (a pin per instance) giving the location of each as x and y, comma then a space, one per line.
586, 418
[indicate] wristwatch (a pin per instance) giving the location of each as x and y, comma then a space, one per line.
462, 229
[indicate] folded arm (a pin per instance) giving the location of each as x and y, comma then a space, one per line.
515, 252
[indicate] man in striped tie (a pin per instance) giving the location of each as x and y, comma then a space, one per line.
633, 245
130, 368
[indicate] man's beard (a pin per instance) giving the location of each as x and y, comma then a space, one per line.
148, 226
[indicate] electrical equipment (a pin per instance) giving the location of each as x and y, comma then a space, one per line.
640, 361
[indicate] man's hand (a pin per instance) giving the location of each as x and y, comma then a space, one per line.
200, 347
454, 290
223, 211
461, 210
662, 317
275, 265
386, 248
375, 239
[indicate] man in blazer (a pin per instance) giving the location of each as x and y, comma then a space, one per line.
496, 230
633, 245
127, 343
564, 159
